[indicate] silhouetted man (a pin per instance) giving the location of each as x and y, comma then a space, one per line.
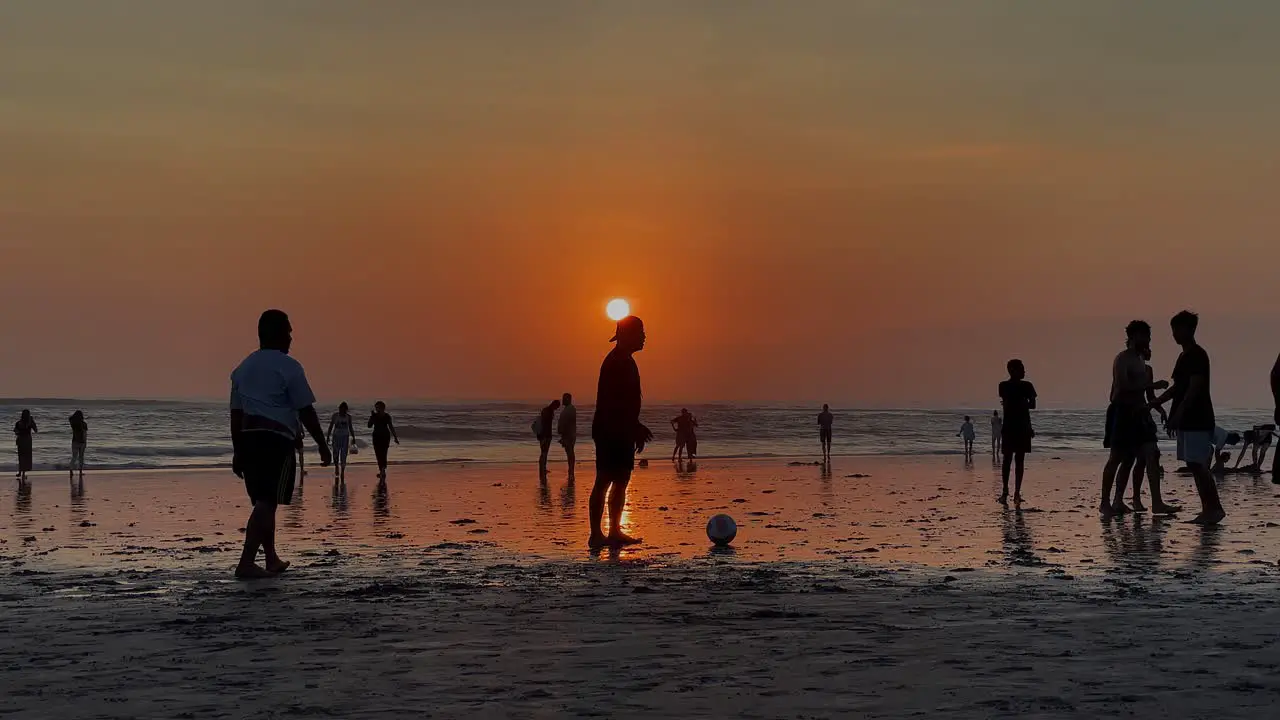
546, 425
617, 432
270, 397
567, 427
825, 421
1130, 430
1191, 416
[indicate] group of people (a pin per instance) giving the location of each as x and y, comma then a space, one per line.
685, 426
26, 428
341, 437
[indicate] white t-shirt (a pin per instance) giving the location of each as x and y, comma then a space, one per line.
271, 385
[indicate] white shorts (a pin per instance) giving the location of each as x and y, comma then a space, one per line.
1196, 447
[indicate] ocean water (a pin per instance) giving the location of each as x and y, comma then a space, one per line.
144, 434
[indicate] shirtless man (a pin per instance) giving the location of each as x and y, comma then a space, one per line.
1275, 394
1137, 464
1132, 431
617, 432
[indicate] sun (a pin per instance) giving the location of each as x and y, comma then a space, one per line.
617, 309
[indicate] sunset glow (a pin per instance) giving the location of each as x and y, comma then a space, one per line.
617, 309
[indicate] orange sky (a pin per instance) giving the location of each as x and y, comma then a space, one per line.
854, 201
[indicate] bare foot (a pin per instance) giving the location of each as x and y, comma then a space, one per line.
1120, 508
1212, 518
1138, 506
251, 572
597, 541
1197, 520
1165, 509
619, 538
278, 566
1003, 500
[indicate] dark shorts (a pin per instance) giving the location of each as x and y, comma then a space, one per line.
615, 457
268, 460
1129, 429
1015, 440
824, 435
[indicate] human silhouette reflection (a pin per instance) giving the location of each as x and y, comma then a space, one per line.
826, 471
1204, 554
381, 503
22, 500
544, 493
339, 502
1019, 545
568, 498
1134, 543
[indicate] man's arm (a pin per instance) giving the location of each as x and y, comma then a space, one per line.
1275, 387
391, 425
329, 433
311, 421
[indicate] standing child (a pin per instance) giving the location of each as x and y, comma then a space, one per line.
79, 441
966, 432
1019, 398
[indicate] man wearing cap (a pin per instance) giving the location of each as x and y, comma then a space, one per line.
270, 399
617, 432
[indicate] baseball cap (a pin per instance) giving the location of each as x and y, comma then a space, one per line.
630, 323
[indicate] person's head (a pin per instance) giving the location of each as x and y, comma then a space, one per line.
825, 407
684, 411
1233, 438
566, 399
995, 413
342, 408
1223, 457
967, 418
630, 334
274, 331
555, 405
77, 416
26, 414
1017, 370
380, 407
1137, 336
1184, 326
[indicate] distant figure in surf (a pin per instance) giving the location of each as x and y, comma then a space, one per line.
384, 431
997, 429
825, 421
79, 442
567, 429
341, 434
617, 432
23, 430
686, 437
543, 428
1018, 398
966, 432
270, 400
1258, 439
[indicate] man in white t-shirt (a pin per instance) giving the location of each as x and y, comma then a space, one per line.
270, 403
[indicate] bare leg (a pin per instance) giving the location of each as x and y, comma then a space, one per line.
256, 532
617, 503
595, 508
1004, 476
1114, 461
1139, 469
1122, 483
1152, 462
1212, 511
1019, 460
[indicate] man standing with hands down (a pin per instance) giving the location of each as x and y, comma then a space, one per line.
270, 398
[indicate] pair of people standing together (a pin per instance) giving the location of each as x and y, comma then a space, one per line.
342, 435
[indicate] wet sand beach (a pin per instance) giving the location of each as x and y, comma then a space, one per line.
467, 591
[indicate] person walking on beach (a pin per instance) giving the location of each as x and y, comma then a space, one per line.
966, 432
1018, 398
1131, 433
825, 420
341, 434
384, 431
567, 429
544, 427
270, 398
617, 432
79, 442
997, 428
1191, 415
23, 430
683, 425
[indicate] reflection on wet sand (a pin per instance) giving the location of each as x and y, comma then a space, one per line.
872, 511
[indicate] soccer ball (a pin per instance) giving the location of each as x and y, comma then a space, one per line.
722, 530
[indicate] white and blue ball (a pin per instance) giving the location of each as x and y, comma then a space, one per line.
721, 530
